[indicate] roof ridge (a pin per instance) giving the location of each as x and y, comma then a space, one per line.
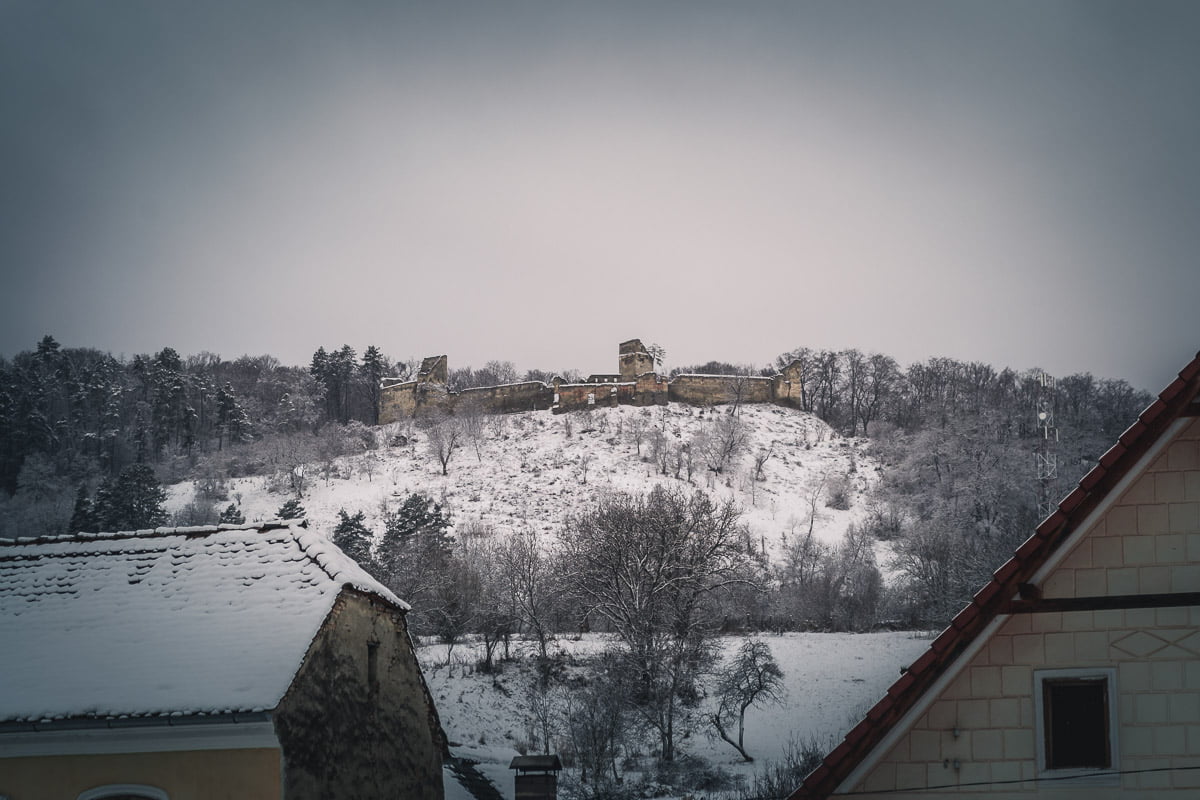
342, 569
145, 533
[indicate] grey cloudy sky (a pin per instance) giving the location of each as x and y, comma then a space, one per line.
1013, 182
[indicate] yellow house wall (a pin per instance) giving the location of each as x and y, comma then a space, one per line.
195, 775
1147, 542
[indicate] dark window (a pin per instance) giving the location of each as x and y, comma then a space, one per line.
1076, 723
373, 667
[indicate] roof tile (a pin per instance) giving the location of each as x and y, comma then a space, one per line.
1132, 433
1191, 370
927, 659
1007, 571
1112, 455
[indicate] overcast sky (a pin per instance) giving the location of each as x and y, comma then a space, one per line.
1009, 182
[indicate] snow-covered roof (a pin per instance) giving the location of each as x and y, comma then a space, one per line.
172, 621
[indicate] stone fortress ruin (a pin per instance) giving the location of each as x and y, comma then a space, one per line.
635, 384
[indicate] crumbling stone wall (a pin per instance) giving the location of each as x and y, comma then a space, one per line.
637, 384
707, 390
789, 386
358, 722
506, 399
398, 401
651, 390
434, 369
578, 396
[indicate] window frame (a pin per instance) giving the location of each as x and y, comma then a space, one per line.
1105, 776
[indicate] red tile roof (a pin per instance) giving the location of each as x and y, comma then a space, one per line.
1177, 400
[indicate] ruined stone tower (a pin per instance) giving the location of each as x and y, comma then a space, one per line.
635, 360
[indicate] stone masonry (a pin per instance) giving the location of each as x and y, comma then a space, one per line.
636, 383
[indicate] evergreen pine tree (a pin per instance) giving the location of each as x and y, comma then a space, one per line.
133, 500
232, 515
374, 365
415, 546
291, 510
419, 518
232, 423
353, 538
82, 517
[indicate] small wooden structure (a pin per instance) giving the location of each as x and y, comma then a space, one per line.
537, 777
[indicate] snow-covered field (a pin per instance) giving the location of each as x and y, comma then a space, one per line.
832, 679
536, 468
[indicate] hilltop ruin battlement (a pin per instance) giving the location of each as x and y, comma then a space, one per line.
635, 384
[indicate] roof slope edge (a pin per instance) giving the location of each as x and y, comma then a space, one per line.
1177, 400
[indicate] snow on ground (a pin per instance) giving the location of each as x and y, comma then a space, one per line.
537, 468
832, 679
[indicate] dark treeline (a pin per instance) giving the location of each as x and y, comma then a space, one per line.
89, 413
497, 373
73, 419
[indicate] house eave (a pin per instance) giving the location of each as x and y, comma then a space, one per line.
157, 734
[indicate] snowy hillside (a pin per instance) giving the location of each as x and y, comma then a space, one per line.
536, 468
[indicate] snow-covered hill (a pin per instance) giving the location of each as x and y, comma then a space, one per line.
536, 468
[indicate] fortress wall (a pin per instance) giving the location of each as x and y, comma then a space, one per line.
709, 390
789, 386
640, 388
507, 399
575, 396
397, 402
651, 390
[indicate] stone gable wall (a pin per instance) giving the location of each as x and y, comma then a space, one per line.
346, 736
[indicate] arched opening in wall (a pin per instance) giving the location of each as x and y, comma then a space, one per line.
124, 791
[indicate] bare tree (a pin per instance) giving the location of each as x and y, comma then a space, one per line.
443, 436
721, 442
583, 465
528, 574
470, 413
595, 715
638, 427
735, 391
650, 566
658, 353
541, 718
760, 460
752, 677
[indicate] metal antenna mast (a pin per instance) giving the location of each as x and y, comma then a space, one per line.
1046, 454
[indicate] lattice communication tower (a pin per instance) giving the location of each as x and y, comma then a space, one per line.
1046, 454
